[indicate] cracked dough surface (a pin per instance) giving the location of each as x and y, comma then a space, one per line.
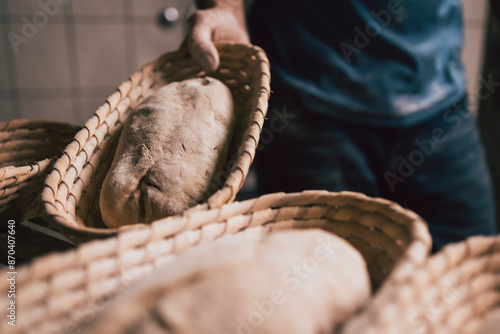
170, 150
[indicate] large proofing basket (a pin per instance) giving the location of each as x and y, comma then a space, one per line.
454, 292
71, 192
60, 291
27, 149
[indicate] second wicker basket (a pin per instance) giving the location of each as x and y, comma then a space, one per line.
62, 290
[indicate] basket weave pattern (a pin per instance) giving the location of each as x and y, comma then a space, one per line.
62, 290
451, 293
71, 192
27, 149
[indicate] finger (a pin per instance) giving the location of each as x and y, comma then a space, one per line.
202, 48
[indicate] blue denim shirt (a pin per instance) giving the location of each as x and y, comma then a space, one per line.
381, 62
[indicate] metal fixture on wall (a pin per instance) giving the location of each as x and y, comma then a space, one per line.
168, 17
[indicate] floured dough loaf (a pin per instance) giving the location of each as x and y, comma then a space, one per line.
170, 149
294, 282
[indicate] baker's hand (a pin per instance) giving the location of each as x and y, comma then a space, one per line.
212, 25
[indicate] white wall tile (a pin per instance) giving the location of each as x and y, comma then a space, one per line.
43, 61
101, 55
4, 43
29, 9
57, 110
98, 7
152, 41
6, 111
17, 7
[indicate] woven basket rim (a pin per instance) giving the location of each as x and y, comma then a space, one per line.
172, 226
23, 175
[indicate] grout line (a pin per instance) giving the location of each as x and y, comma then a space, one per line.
130, 36
11, 70
98, 19
72, 54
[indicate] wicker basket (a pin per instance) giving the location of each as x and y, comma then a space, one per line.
452, 293
71, 192
62, 290
27, 149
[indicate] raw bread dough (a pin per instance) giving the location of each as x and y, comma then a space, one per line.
170, 149
294, 282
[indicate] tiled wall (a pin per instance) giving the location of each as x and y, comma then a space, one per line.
87, 47
81, 51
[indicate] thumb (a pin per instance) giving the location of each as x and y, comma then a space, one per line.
202, 48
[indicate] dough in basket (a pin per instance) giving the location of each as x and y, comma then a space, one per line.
294, 282
171, 148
